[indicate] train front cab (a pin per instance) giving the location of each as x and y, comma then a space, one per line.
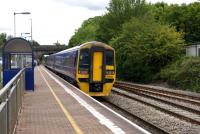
96, 69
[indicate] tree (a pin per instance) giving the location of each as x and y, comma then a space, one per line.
57, 43
186, 18
144, 47
35, 43
3, 37
87, 32
119, 12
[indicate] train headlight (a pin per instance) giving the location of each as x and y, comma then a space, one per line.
110, 72
83, 71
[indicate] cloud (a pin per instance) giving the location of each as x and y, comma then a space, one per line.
5, 29
52, 20
58, 21
90, 4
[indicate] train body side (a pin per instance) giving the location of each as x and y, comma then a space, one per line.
91, 66
64, 62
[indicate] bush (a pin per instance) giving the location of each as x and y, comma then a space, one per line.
184, 74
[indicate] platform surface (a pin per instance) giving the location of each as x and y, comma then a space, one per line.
55, 107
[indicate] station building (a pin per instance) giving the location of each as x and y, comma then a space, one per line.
193, 49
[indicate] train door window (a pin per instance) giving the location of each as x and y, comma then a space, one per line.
56, 61
84, 61
70, 60
109, 57
65, 60
75, 60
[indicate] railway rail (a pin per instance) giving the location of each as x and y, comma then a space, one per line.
166, 93
179, 105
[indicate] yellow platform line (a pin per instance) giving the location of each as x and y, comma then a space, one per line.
67, 114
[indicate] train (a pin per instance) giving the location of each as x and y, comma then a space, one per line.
91, 66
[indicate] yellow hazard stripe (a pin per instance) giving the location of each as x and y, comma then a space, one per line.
67, 114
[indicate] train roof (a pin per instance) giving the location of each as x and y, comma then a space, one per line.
68, 50
91, 43
87, 44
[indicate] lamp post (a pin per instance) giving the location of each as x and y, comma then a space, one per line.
31, 31
25, 13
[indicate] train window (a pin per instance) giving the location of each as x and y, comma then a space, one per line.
84, 59
109, 57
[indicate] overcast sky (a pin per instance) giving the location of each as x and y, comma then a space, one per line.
53, 20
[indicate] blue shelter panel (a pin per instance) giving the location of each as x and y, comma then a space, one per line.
18, 54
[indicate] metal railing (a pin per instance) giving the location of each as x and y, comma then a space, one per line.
10, 102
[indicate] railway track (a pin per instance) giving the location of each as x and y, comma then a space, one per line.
166, 93
148, 125
178, 105
152, 126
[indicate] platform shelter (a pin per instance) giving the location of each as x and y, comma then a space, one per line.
17, 53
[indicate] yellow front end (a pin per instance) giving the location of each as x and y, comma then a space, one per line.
106, 89
102, 76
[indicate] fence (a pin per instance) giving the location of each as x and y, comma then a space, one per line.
10, 102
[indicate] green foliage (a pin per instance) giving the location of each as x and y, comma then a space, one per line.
87, 32
35, 43
186, 18
144, 47
120, 11
147, 38
184, 73
58, 44
3, 37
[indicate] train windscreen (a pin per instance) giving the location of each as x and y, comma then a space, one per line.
109, 57
84, 61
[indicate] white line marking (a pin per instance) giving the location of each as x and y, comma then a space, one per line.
96, 113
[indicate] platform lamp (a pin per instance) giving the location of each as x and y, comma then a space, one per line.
31, 31
25, 13
25, 34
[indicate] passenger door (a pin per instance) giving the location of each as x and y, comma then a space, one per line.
97, 66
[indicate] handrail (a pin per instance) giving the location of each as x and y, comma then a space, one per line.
6, 87
10, 102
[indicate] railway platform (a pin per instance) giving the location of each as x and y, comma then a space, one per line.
56, 107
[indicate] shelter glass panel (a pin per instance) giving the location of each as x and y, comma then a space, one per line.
21, 61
